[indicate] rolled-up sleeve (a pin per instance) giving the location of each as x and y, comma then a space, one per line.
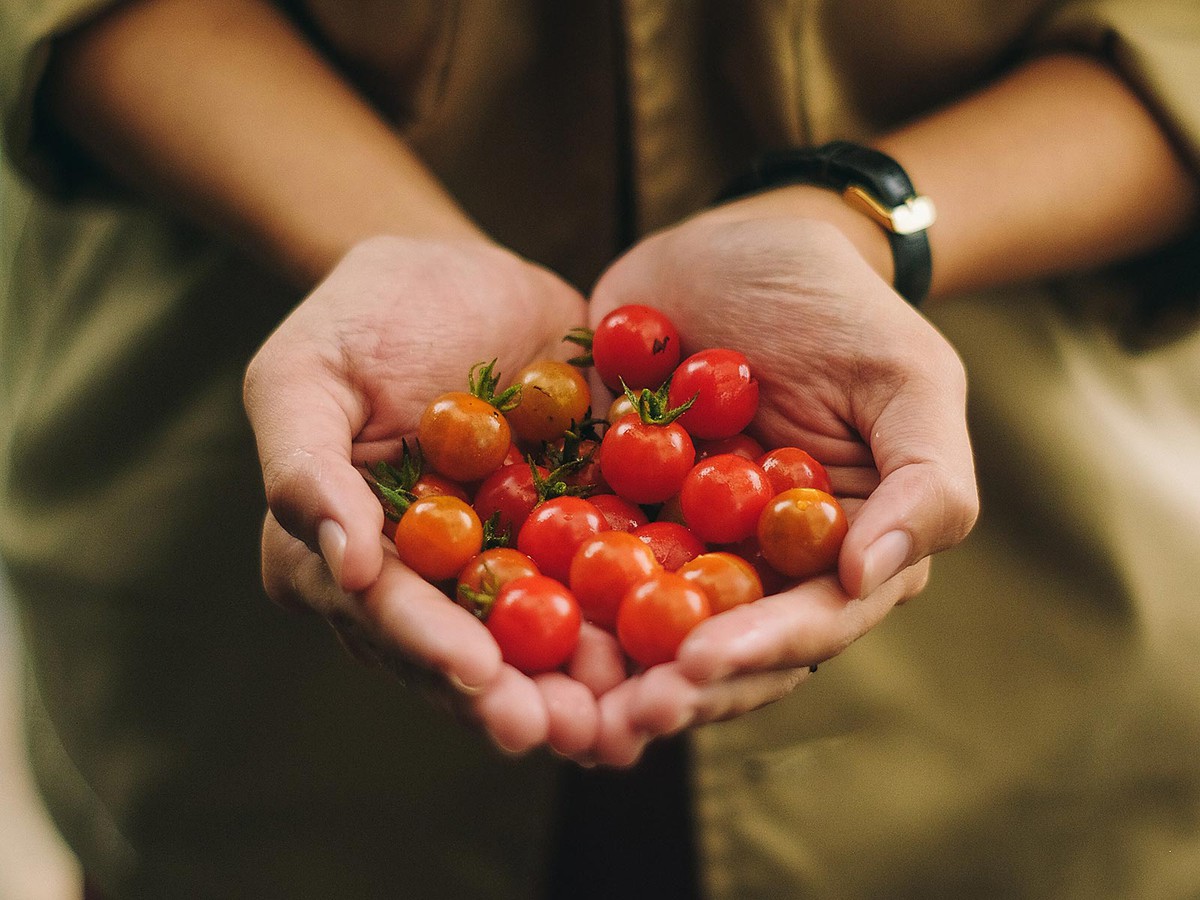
28, 29
1154, 45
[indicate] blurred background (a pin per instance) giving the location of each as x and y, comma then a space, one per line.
34, 862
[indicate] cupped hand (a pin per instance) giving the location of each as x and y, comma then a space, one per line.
848, 371
338, 385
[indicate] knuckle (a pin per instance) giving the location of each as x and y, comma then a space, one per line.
288, 492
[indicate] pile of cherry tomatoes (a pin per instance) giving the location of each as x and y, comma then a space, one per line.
536, 516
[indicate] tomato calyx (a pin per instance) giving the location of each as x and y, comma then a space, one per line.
654, 407
581, 337
482, 381
480, 602
493, 534
394, 484
554, 484
571, 456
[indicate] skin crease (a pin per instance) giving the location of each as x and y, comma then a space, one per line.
165, 92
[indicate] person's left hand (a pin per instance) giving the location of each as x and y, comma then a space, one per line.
848, 371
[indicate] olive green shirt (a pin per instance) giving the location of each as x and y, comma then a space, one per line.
1028, 728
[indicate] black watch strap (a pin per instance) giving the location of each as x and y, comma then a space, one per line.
873, 183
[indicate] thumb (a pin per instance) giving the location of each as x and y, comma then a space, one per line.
304, 425
927, 499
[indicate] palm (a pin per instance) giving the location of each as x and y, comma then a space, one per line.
341, 383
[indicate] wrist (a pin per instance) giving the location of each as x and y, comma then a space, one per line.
806, 201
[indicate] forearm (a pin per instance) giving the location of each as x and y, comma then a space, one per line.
1057, 167
223, 110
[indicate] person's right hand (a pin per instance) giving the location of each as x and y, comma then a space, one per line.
341, 381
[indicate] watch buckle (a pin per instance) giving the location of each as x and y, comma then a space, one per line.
915, 214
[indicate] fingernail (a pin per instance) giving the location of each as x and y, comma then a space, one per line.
332, 541
468, 690
884, 559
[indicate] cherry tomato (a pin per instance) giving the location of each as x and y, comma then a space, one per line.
463, 437
671, 511
645, 463
436, 536
772, 581
621, 406
510, 491
657, 614
555, 530
514, 457
486, 573
604, 569
800, 532
672, 543
621, 514
553, 395
728, 580
725, 390
635, 343
791, 467
722, 497
432, 484
535, 621
740, 444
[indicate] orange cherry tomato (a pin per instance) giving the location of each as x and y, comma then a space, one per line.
726, 578
486, 573
437, 536
463, 437
553, 395
800, 532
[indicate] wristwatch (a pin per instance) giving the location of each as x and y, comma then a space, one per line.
869, 181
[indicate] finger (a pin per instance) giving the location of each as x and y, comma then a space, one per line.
853, 481
803, 626
288, 567
618, 743
926, 499
598, 661
573, 715
304, 418
511, 711
409, 617
667, 701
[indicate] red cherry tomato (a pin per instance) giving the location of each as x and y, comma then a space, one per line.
604, 569
463, 437
511, 492
728, 580
635, 343
657, 614
645, 463
791, 467
436, 536
722, 497
725, 390
535, 621
672, 543
621, 514
555, 530
553, 395
800, 532
486, 573
740, 444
